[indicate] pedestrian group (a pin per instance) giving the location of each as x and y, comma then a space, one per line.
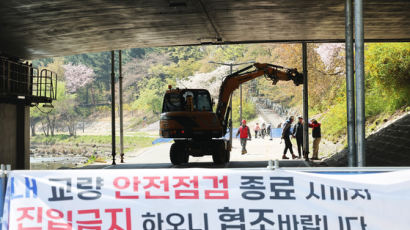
288, 131
297, 133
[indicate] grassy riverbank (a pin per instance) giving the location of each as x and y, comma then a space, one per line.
137, 140
92, 147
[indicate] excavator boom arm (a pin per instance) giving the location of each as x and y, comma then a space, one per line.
233, 81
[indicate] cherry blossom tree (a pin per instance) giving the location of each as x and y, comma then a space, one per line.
332, 55
77, 76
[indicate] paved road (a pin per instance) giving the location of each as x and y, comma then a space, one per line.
260, 151
270, 116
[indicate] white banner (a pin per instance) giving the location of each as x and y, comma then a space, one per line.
204, 199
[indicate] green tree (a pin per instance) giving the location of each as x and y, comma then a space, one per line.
35, 117
150, 96
48, 117
65, 110
56, 65
387, 69
248, 110
42, 62
184, 53
387, 76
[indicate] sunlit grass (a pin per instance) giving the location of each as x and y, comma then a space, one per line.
138, 140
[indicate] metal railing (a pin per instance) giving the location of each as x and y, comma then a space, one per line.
22, 79
45, 84
15, 78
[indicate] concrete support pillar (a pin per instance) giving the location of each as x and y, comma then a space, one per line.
305, 103
15, 135
360, 88
351, 133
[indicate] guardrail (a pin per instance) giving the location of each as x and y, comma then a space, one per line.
274, 165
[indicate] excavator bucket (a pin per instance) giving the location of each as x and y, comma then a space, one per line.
298, 78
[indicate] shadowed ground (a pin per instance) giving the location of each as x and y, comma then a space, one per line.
260, 151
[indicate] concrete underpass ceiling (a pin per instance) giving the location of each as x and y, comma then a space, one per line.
33, 29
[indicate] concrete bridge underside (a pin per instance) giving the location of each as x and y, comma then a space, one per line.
36, 29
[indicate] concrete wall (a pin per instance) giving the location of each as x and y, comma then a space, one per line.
9, 142
389, 146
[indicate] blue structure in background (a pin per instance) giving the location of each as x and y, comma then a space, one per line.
2, 195
161, 140
274, 133
3, 184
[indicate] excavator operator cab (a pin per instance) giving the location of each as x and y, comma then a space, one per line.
187, 113
187, 100
172, 102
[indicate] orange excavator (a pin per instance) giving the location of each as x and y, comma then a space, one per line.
187, 115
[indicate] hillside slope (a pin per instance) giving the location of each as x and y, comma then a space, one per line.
389, 146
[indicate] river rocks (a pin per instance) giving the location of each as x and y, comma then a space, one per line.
66, 155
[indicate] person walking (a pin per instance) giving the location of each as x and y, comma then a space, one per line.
263, 130
317, 135
298, 134
268, 130
286, 137
257, 129
244, 133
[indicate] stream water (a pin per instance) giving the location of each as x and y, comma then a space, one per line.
38, 163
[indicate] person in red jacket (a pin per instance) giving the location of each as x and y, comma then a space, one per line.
245, 133
317, 135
